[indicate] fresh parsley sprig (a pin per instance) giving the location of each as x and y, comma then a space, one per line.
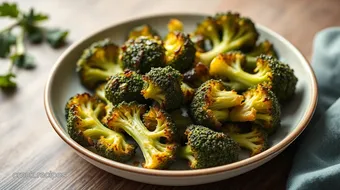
13, 46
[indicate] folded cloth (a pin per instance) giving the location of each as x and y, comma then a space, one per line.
317, 161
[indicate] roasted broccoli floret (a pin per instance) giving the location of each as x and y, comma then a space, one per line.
180, 51
125, 86
175, 25
156, 138
260, 106
277, 76
211, 103
84, 126
188, 93
253, 138
182, 120
143, 53
143, 30
264, 47
226, 32
197, 75
163, 85
207, 31
100, 94
98, 62
206, 148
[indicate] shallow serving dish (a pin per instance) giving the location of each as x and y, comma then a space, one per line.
63, 83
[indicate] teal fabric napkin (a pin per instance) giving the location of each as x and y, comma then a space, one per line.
317, 161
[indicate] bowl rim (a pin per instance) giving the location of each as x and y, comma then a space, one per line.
179, 173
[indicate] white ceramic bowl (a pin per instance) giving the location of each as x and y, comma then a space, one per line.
63, 83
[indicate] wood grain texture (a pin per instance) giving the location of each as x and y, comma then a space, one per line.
29, 144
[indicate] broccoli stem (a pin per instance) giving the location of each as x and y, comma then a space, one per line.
95, 129
223, 103
185, 152
99, 74
155, 93
215, 39
100, 132
97, 132
115, 69
250, 63
221, 115
235, 86
238, 41
111, 68
246, 79
246, 140
137, 130
229, 42
101, 94
225, 99
206, 57
227, 33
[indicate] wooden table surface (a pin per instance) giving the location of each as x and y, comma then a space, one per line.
28, 142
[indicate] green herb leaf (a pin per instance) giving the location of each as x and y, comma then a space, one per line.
6, 81
56, 37
9, 10
35, 35
31, 17
37, 17
6, 41
29, 20
24, 61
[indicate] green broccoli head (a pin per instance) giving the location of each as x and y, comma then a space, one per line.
197, 75
188, 93
179, 51
125, 86
98, 62
253, 138
277, 76
84, 126
143, 53
156, 137
163, 85
260, 106
283, 80
143, 30
227, 32
206, 148
211, 103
